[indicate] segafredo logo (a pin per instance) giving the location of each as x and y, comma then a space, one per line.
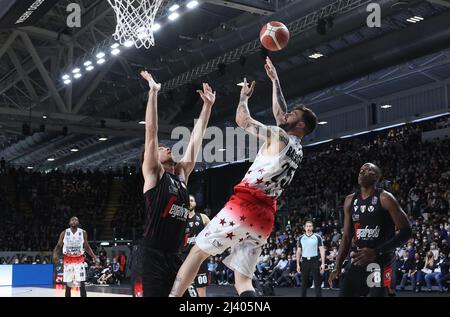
178, 212
368, 233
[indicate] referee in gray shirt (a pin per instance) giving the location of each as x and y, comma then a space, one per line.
308, 247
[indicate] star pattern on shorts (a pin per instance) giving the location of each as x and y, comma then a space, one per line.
249, 172
267, 191
259, 236
262, 170
268, 183
232, 223
222, 222
243, 218
247, 233
241, 239
251, 225
259, 181
230, 235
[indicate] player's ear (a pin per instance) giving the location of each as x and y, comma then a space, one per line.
301, 125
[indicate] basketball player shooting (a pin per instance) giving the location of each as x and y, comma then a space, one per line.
73, 241
166, 195
246, 221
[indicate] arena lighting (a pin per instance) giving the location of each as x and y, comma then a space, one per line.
74, 150
87, 63
103, 139
128, 43
221, 150
77, 75
192, 4
67, 81
156, 27
431, 117
386, 106
115, 52
322, 122
104, 244
51, 159
76, 71
355, 134
316, 55
101, 61
30, 167
142, 122
89, 68
100, 55
415, 19
173, 16
320, 142
44, 116
173, 8
65, 77
115, 45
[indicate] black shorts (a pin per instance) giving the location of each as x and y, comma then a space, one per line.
202, 279
155, 272
366, 281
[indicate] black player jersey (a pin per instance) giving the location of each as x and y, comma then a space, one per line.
372, 224
166, 213
193, 227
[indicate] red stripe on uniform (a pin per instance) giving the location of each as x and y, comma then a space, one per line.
387, 276
172, 200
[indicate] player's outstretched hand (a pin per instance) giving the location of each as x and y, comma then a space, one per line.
247, 91
208, 95
154, 86
271, 70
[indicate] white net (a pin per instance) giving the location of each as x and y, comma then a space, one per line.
135, 20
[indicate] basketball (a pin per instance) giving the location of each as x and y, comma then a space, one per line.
274, 36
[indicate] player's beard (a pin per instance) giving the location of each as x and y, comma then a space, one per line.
287, 126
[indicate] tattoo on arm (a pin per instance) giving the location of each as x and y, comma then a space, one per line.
280, 98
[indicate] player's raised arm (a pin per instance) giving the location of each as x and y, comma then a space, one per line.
279, 105
151, 166
187, 163
245, 121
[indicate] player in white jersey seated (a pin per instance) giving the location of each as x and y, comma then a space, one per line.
73, 241
246, 221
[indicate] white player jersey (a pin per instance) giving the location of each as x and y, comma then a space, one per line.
271, 174
73, 242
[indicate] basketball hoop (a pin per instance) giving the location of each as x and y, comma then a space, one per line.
135, 20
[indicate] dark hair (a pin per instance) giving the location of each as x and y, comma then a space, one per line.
309, 221
143, 151
309, 118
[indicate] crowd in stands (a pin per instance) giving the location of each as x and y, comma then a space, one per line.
36, 207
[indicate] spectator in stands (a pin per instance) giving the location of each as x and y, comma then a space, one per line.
212, 270
279, 268
286, 277
411, 272
435, 274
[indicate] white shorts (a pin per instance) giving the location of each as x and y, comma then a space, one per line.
242, 225
74, 272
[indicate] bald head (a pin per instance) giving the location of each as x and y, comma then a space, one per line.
369, 175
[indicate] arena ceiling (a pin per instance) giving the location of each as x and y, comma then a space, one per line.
217, 42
